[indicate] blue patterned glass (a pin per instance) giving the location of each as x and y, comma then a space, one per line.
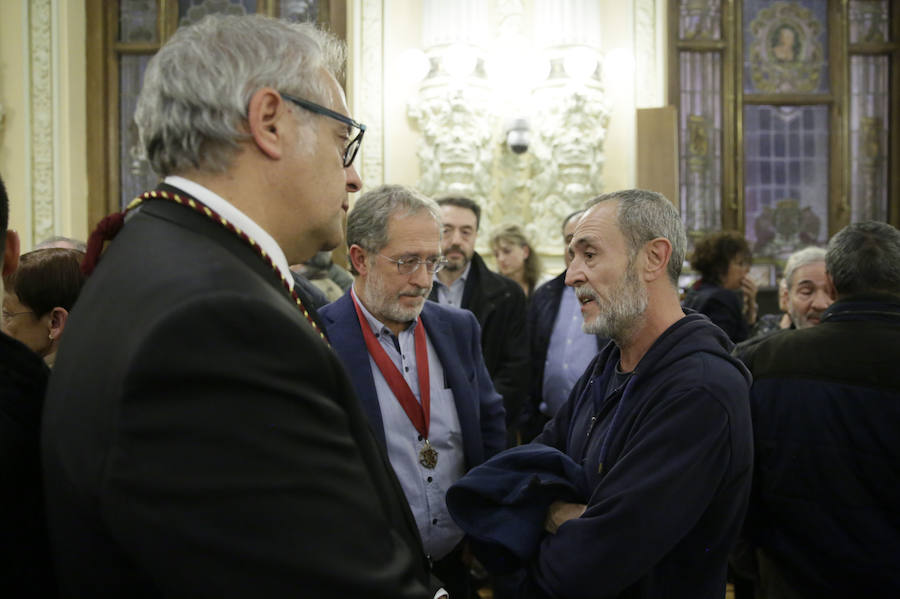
869, 22
786, 178
192, 11
302, 11
869, 127
700, 140
700, 19
138, 21
135, 174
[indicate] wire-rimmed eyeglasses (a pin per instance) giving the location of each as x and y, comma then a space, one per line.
407, 266
355, 140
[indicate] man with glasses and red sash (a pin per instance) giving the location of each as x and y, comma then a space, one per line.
416, 365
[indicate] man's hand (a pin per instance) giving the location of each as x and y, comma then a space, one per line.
562, 511
749, 289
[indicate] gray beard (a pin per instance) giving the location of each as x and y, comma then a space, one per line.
621, 315
384, 307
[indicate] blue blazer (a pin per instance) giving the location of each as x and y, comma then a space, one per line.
456, 337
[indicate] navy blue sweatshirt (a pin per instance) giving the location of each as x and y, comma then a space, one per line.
667, 503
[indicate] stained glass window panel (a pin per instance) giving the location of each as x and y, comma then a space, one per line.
135, 174
302, 11
869, 119
700, 135
786, 178
137, 21
192, 11
869, 21
785, 46
700, 20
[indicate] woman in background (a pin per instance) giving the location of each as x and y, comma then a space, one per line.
515, 257
724, 292
39, 295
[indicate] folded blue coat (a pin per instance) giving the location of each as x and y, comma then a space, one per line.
502, 504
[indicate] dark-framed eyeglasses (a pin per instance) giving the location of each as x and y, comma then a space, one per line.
407, 266
355, 140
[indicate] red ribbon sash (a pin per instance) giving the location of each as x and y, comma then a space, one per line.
418, 414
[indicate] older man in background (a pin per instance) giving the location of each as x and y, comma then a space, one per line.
803, 295
416, 365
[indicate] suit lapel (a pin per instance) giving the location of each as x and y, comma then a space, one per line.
446, 345
343, 325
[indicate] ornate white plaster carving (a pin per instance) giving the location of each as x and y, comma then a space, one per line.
40, 42
371, 89
463, 149
569, 155
454, 154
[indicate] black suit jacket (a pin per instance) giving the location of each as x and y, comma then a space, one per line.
25, 569
201, 440
499, 305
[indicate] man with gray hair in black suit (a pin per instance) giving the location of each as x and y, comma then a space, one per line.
200, 438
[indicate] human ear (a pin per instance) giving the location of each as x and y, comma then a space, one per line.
265, 117
658, 252
357, 257
783, 296
830, 289
58, 318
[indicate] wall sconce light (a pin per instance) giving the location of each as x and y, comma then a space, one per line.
518, 135
580, 63
414, 63
460, 60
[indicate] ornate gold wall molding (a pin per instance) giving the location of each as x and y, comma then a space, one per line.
41, 125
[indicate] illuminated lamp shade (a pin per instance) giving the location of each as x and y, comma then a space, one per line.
414, 64
460, 60
580, 62
516, 70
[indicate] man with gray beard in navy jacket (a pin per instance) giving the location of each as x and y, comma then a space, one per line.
655, 438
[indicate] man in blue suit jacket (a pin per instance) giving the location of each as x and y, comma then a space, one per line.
416, 365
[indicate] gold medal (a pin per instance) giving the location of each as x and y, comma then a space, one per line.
428, 456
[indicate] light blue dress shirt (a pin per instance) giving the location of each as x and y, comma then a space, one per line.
452, 295
425, 488
568, 355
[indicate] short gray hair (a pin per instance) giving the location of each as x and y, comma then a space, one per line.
644, 215
799, 259
197, 88
864, 257
367, 223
